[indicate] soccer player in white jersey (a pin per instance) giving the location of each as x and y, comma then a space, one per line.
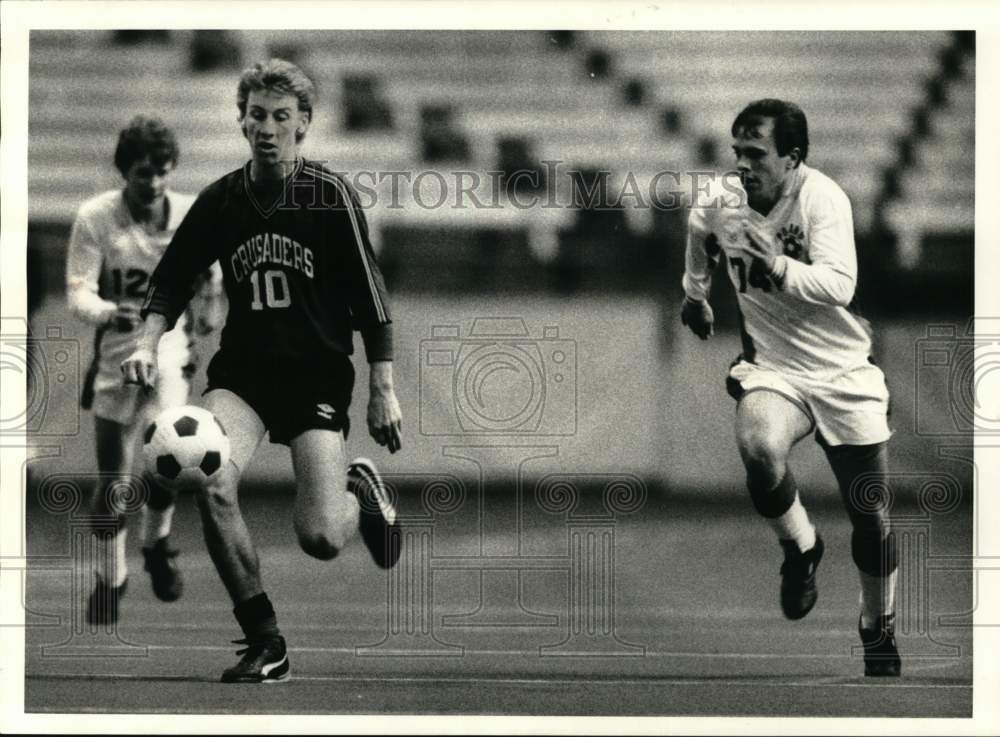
785, 233
115, 244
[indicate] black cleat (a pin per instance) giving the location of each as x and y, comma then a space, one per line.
102, 607
798, 578
378, 515
264, 661
168, 585
881, 655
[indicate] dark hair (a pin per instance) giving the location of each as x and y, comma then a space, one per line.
790, 128
277, 75
146, 137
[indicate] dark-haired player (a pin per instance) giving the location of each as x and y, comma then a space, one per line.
788, 240
300, 275
117, 239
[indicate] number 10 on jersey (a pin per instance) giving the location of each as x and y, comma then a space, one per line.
276, 292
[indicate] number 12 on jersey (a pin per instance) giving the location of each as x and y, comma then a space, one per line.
276, 292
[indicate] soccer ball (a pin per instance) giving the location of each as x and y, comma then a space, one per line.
185, 446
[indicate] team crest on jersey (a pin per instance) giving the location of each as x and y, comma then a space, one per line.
792, 240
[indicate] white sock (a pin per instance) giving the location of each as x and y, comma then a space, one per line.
878, 597
109, 557
794, 525
155, 524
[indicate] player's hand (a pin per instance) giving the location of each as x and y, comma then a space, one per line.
757, 245
126, 319
385, 420
698, 316
105, 315
140, 368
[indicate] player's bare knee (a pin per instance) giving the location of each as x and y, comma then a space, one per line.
765, 463
318, 545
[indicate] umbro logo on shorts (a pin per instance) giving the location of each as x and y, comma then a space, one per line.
325, 411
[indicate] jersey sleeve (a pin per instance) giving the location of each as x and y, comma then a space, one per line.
84, 260
698, 262
831, 276
366, 286
188, 256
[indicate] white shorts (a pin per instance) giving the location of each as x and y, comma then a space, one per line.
853, 409
125, 404
114, 400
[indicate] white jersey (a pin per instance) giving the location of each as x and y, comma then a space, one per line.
109, 262
799, 319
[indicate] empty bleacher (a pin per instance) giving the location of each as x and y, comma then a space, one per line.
858, 90
936, 200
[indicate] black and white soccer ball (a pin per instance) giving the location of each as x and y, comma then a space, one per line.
184, 447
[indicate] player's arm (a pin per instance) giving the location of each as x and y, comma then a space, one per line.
370, 312
84, 258
141, 367
384, 415
171, 287
832, 275
701, 255
188, 256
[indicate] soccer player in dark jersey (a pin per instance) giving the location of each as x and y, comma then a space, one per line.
300, 276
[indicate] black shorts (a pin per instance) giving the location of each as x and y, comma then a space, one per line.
289, 399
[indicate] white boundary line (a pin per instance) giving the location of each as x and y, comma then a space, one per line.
827, 681
554, 658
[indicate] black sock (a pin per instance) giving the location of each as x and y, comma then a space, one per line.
257, 618
772, 502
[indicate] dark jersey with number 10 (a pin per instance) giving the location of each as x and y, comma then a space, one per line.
298, 268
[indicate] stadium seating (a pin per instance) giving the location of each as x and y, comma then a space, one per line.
564, 99
856, 89
937, 193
